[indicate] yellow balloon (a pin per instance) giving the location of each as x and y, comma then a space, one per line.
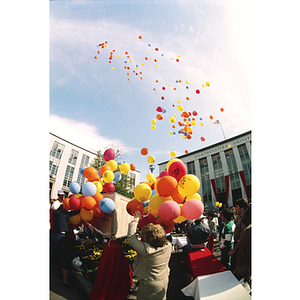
217, 203
193, 123
151, 159
207, 83
124, 168
220, 205
86, 215
153, 127
150, 177
75, 219
146, 208
101, 181
108, 176
142, 192
155, 202
180, 107
194, 196
78, 195
153, 121
188, 185
173, 153
112, 164
98, 185
172, 120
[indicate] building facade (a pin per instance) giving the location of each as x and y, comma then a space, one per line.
66, 160
224, 170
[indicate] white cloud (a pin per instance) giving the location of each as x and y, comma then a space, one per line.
84, 135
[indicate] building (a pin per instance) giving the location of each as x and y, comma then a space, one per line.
224, 170
65, 162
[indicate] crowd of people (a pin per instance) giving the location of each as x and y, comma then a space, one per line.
232, 227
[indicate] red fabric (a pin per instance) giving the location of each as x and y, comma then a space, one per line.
242, 175
213, 183
210, 243
114, 275
227, 187
203, 263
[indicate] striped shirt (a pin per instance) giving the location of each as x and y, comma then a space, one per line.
227, 239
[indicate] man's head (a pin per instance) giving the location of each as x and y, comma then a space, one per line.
241, 205
61, 195
210, 215
226, 215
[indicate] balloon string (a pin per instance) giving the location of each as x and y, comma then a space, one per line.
90, 226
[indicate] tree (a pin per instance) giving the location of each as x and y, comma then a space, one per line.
126, 185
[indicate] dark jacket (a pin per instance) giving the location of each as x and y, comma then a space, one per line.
60, 219
198, 234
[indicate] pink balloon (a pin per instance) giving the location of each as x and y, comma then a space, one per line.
163, 173
177, 169
192, 209
159, 109
169, 210
109, 154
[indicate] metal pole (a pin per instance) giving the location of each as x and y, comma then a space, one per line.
222, 131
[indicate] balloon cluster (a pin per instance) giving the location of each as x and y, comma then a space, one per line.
218, 204
91, 202
170, 197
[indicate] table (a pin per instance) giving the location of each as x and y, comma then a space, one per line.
218, 286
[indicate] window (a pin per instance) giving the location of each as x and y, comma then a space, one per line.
73, 157
246, 162
219, 174
68, 176
205, 181
84, 162
232, 170
57, 150
191, 168
53, 167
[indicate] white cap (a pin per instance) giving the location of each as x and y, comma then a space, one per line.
201, 217
55, 205
60, 192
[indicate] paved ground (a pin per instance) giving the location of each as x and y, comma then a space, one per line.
177, 281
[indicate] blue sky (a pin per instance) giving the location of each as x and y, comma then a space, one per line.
93, 105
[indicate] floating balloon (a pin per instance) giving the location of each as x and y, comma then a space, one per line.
75, 219
169, 210
89, 189
202, 138
188, 185
74, 202
90, 173
192, 209
134, 205
159, 117
112, 164
74, 187
163, 173
172, 119
88, 202
166, 186
150, 177
107, 205
98, 197
124, 167
177, 169
142, 192
86, 215
144, 151
211, 117
207, 83
168, 226
221, 109
132, 167
109, 187
108, 176
155, 203
197, 91
220, 205
153, 121
180, 107
172, 153
151, 159
217, 203
171, 161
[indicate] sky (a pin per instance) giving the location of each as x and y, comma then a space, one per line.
94, 105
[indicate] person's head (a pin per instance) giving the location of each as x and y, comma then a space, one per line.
201, 219
61, 195
210, 215
154, 234
241, 205
247, 216
226, 215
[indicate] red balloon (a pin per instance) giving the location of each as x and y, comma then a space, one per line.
166, 186
202, 139
109, 154
177, 169
146, 219
192, 209
109, 187
74, 202
134, 205
166, 225
169, 210
163, 173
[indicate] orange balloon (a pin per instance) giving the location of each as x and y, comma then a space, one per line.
166, 186
177, 197
144, 151
66, 204
97, 211
159, 117
98, 197
134, 205
86, 215
104, 168
90, 173
132, 167
88, 202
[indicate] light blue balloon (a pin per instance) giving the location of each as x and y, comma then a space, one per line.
89, 189
117, 177
164, 110
74, 187
107, 205
81, 171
